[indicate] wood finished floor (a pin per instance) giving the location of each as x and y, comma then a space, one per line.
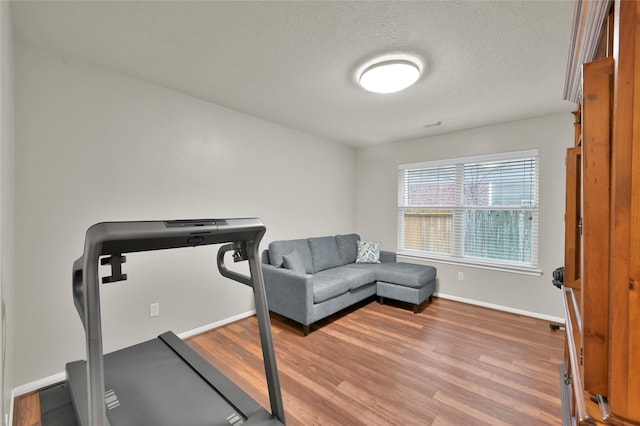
450, 364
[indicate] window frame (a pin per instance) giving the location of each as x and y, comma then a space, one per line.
457, 256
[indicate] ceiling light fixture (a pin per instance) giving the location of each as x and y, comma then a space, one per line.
389, 75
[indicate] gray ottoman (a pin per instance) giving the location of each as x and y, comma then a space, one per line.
406, 282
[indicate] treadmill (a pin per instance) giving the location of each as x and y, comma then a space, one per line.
163, 381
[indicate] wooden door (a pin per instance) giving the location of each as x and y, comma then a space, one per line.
596, 164
624, 380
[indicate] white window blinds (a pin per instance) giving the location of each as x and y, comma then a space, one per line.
477, 210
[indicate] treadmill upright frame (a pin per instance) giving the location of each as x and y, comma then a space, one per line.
114, 239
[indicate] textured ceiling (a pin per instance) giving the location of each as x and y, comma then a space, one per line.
294, 63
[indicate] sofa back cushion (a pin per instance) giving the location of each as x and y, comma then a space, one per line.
294, 262
278, 249
348, 247
324, 253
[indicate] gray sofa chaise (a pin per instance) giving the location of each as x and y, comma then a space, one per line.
309, 279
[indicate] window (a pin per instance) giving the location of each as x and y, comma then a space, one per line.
479, 211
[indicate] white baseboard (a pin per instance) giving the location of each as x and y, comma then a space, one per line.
550, 318
205, 328
62, 376
39, 384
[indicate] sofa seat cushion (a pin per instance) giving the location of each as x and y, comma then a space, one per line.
324, 253
278, 249
358, 275
406, 274
328, 284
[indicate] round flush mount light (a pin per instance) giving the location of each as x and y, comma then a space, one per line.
389, 75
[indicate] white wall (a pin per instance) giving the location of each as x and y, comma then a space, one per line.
97, 146
93, 145
376, 206
6, 210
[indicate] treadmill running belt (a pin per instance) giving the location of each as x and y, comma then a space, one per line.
148, 384
56, 407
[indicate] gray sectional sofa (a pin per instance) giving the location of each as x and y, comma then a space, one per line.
309, 279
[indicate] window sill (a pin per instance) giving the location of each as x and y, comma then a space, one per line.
513, 268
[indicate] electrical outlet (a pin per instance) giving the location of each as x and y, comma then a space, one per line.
154, 310
460, 276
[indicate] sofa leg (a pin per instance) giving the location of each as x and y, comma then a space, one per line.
381, 300
430, 299
305, 329
415, 308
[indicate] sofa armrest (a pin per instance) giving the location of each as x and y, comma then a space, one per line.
289, 293
387, 256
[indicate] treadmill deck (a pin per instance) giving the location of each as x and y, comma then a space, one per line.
151, 384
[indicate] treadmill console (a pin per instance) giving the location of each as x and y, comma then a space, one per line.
194, 222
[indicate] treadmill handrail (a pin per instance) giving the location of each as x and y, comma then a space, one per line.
117, 238
236, 276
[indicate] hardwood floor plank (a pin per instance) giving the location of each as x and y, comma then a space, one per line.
27, 410
509, 366
479, 416
374, 410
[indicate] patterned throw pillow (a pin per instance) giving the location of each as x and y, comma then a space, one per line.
368, 252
